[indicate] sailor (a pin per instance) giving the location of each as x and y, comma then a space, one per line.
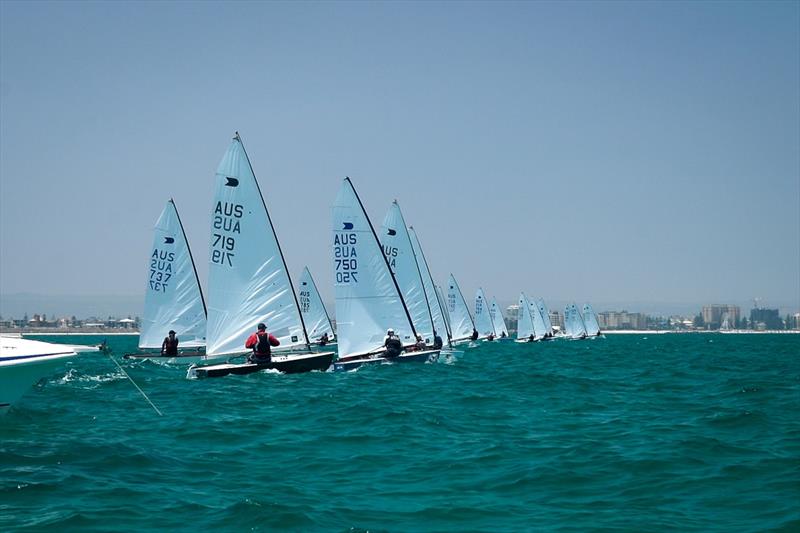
490, 337
324, 339
531, 339
474, 334
392, 343
261, 343
170, 344
437, 341
420, 345
503, 334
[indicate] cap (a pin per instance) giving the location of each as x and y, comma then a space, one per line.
390, 330
262, 326
172, 332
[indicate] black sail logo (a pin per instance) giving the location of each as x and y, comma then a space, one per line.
168, 240
392, 232
232, 182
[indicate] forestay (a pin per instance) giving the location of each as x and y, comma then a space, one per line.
461, 324
483, 320
524, 321
399, 252
248, 282
172, 299
590, 321
315, 316
437, 312
368, 300
499, 322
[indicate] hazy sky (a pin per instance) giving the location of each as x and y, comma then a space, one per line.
604, 152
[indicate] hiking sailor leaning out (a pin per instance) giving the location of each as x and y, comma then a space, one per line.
261, 343
392, 343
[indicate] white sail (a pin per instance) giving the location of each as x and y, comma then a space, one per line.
483, 320
172, 299
497, 319
399, 252
368, 300
445, 314
461, 324
436, 304
539, 325
590, 320
248, 282
315, 316
545, 312
573, 323
524, 320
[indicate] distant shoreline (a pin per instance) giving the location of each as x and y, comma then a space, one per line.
70, 331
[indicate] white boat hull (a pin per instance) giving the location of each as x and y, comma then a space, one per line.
17, 376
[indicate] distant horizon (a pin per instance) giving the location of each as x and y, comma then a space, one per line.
122, 305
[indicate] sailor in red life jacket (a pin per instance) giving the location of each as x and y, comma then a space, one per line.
170, 344
260, 342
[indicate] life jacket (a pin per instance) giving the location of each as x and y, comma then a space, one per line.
171, 346
262, 347
394, 347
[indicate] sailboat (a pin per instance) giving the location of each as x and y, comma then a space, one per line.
248, 281
545, 313
445, 315
539, 325
461, 324
573, 323
525, 329
315, 316
173, 300
369, 300
398, 248
483, 319
500, 329
590, 321
435, 301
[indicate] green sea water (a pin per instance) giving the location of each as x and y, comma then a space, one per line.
668, 432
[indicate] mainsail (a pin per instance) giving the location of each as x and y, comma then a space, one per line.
445, 314
436, 304
573, 323
172, 299
524, 320
545, 312
498, 320
539, 324
368, 299
399, 251
248, 281
461, 324
315, 316
590, 320
483, 320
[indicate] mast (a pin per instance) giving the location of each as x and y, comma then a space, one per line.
314, 283
428, 271
385, 259
189, 249
419, 272
272, 227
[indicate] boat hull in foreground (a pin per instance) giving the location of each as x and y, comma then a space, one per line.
286, 364
23, 363
181, 358
405, 357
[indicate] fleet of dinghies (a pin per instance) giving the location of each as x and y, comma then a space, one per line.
383, 285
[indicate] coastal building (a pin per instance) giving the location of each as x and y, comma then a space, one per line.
557, 320
621, 320
714, 314
512, 312
761, 318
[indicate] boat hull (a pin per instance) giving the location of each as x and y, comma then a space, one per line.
286, 364
344, 365
18, 376
181, 358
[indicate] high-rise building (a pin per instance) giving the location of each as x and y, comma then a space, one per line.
713, 314
761, 318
